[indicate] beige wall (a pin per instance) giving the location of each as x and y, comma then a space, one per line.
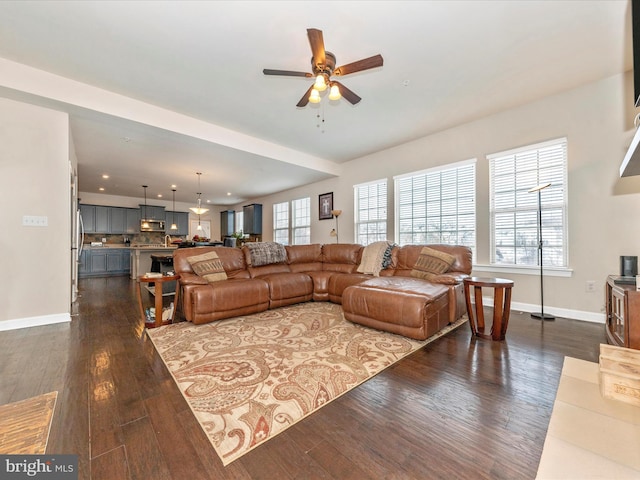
35, 172
604, 210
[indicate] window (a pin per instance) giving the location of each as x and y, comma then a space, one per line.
437, 206
239, 221
301, 221
298, 230
281, 223
514, 208
371, 212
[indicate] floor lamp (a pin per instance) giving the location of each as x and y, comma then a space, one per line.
541, 315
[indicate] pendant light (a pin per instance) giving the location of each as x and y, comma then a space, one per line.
198, 210
145, 223
173, 213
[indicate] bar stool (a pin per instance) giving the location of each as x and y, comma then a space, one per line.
501, 305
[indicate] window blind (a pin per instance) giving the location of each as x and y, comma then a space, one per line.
437, 206
371, 212
514, 209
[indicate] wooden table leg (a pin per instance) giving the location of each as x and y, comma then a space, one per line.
498, 313
479, 309
158, 294
139, 294
176, 297
470, 310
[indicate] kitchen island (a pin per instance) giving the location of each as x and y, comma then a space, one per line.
141, 257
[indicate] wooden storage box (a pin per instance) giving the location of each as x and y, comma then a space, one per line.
620, 374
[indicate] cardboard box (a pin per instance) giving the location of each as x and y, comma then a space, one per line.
620, 374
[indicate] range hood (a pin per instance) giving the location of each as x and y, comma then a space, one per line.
151, 225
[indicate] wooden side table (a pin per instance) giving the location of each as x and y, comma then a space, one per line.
501, 305
158, 281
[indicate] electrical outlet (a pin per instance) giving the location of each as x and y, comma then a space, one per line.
591, 286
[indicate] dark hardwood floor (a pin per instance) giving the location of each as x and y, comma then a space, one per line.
458, 408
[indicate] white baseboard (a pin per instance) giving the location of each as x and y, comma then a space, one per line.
39, 321
558, 312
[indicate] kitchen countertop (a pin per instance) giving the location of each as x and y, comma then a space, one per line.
131, 247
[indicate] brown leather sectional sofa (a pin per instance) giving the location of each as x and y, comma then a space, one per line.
395, 301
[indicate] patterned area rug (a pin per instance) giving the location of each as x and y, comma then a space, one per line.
249, 378
25, 425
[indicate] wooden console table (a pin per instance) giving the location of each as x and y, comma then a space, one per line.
158, 281
623, 314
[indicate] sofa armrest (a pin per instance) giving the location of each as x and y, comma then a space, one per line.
192, 279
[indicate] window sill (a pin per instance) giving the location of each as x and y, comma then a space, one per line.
521, 270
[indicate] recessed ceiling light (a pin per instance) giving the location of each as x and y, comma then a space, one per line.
105, 176
228, 194
174, 186
101, 189
159, 195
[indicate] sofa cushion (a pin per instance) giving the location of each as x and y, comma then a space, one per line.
341, 257
304, 258
431, 262
208, 266
265, 253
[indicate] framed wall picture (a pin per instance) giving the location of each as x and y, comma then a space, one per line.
325, 205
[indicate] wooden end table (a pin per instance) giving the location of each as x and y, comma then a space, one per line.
501, 305
158, 281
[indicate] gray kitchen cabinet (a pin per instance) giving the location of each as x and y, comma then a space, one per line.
117, 219
227, 223
252, 219
182, 222
152, 212
88, 213
98, 262
132, 220
84, 267
102, 219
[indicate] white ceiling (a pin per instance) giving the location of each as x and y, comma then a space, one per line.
168, 89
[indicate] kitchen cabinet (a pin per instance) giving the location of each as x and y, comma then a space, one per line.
152, 212
252, 219
182, 222
98, 262
117, 219
102, 219
132, 220
88, 213
84, 267
227, 223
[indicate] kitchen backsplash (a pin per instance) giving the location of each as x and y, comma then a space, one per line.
137, 238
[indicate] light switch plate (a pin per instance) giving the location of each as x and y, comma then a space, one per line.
35, 221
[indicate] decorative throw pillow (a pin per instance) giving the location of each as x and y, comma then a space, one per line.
266, 253
208, 266
431, 262
444, 279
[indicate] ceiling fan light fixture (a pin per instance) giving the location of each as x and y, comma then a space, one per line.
315, 96
321, 84
334, 93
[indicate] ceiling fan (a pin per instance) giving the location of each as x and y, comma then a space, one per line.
323, 67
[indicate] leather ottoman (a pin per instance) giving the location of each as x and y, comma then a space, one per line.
406, 306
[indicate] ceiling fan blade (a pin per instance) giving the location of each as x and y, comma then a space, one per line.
286, 73
305, 99
317, 45
351, 97
364, 64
